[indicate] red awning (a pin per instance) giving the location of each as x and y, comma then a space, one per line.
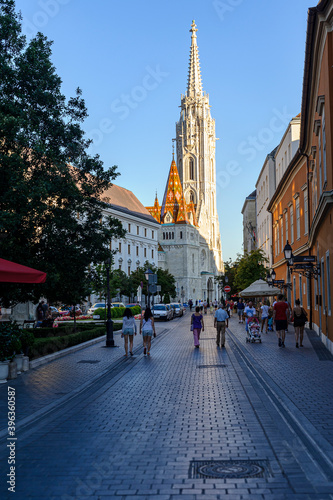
16, 273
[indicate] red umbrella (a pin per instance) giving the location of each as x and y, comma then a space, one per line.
16, 273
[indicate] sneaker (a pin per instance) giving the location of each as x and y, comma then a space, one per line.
280, 342
283, 344
144, 351
296, 344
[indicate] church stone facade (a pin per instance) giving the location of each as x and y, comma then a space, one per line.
189, 237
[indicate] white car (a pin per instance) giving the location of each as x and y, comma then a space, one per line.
93, 308
162, 311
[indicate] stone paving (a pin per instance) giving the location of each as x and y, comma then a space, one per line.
177, 424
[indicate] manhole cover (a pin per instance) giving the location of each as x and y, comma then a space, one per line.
89, 361
225, 469
212, 366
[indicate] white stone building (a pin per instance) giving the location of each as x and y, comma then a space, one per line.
265, 188
249, 223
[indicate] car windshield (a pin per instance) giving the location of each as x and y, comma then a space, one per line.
99, 305
174, 306
159, 308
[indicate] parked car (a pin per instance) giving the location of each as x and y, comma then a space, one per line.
162, 311
132, 305
177, 308
95, 306
118, 304
55, 312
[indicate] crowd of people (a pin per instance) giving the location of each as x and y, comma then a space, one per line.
278, 314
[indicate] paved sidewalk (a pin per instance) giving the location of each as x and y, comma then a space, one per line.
46, 385
185, 423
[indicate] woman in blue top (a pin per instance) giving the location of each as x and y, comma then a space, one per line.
198, 324
128, 330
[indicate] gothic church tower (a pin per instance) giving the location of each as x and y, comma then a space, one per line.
195, 143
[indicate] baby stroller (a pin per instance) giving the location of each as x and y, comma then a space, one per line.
253, 331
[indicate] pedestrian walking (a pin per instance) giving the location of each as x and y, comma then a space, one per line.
220, 322
205, 306
250, 312
190, 303
147, 329
299, 317
264, 316
197, 324
128, 330
280, 318
240, 310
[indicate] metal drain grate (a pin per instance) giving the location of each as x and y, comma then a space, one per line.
212, 366
229, 469
89, 361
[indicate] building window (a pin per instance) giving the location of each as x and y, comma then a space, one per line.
193, 262
278, 238
308, 296
129, 270
298, 220
145, 252
191, 197
282, 245
294, 289
316, 294
191, 169
152, 254
164, 236
306, 226
324, 147
137, 251
300, 289
129, 249
286, 224
167, 235
129, 228
152, 234
119, 246
275, 238
137, 230
328, 278
145, 232
291, 224
323, 282
319, 164
181, 235
173, 236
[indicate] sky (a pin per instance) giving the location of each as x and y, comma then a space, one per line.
131, 60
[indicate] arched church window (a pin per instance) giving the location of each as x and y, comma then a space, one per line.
164, 236
191, 169
173, 236
191, 196
167, 236
181, 235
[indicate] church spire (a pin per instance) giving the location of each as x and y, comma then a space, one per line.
194, 84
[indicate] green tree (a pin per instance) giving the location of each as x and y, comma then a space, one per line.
165, 279
249, 268
50, 187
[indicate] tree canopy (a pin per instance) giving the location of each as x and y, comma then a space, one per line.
50, 186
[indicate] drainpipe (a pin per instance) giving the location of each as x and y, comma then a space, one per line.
308, 189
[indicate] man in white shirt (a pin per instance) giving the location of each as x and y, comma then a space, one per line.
249, 312
220, 322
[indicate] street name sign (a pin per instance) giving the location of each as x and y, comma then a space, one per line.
305, 258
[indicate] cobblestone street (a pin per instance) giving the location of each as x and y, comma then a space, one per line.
251, 420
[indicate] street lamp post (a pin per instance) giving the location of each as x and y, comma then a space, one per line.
109, 322
306, 265
148, 273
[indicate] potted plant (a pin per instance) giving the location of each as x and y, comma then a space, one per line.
9, 345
